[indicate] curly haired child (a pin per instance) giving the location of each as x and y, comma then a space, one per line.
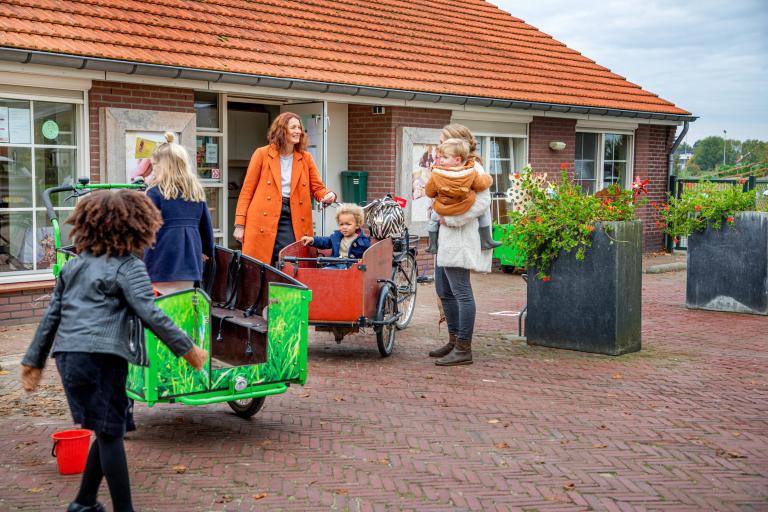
97, 298
186, 237
348, 241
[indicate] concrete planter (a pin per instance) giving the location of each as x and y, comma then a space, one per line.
728, 267
591, 305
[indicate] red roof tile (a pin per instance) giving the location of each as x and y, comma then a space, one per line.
459, 47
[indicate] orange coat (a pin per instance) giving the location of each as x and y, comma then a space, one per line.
259, 204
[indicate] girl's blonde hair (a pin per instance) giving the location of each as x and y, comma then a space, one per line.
172, 174
459, 131
351, 209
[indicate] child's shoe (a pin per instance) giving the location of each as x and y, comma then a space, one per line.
486, 239
432, 246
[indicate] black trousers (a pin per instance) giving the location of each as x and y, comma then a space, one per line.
285, 234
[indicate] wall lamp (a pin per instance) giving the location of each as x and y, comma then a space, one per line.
557, 146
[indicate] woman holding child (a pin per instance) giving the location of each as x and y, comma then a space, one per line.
275, 204
459, 247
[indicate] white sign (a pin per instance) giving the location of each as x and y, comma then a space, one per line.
20, 124
211, 153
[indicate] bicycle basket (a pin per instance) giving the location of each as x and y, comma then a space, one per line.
385, 218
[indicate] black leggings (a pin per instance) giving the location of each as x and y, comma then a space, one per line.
107, 459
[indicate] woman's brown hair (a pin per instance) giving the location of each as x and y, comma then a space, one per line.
459, 131
114, 223
277, 134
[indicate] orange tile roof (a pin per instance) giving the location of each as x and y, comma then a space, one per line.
455, 47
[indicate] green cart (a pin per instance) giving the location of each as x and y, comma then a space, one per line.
509, 257
250, 317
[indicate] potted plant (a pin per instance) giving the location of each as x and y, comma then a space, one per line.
727, 255
584, 266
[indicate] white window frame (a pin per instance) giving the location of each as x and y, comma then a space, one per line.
222, 233
82, 168
600, 156
485, 139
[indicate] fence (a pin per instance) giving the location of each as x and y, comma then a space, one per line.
679, 185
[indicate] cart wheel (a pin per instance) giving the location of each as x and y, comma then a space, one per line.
508, 269
248, 407
385, 334
404, 276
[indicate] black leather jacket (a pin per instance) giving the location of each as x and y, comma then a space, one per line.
95, 307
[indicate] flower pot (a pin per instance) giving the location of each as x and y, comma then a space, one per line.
728, 267
591, 305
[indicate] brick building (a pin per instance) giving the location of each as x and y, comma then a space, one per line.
81, 85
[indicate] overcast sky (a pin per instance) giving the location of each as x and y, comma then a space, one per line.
709, 57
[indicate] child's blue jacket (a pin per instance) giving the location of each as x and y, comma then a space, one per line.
333, 242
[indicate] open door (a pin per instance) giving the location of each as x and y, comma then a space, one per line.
313, 117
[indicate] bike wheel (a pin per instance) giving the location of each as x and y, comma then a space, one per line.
385, 334
247, 407
404, 275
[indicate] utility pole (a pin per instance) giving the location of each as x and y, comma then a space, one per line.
724, 142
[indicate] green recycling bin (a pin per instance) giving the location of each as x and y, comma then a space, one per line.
354, 187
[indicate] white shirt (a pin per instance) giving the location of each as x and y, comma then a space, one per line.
286, 169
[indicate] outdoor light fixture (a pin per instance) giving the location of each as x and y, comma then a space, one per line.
556, 145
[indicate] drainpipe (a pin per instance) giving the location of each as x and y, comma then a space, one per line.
672, 181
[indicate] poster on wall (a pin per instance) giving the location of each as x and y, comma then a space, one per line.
423, 157
139, 146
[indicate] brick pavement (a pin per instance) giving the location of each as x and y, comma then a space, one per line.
682, 425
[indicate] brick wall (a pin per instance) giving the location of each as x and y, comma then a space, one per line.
132, 96
652, 145
541, 132
23, 303
372, 147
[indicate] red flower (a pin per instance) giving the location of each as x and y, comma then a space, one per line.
653, 203
697, 208
589, 227
539, 219
674, 240
546, 279
517, 175
742, 181
729, 220
639, 186
564, 166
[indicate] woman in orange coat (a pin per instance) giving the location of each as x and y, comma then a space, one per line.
275, 208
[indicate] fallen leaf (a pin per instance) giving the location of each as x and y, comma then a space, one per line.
305, 395
341, 492
603, 427
569, 486
383, 461
3, 372
599, 446
493, 422
340, 399
616, 376
260, 495
226, 498
501, 445
180, 468
35, 490
730, 454
429, 377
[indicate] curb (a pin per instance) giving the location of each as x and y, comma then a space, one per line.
666, 267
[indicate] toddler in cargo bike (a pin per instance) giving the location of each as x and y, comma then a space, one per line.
348, 241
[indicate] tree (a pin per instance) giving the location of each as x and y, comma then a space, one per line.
708, 152
753, 151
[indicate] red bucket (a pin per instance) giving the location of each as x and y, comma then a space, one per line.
70, 448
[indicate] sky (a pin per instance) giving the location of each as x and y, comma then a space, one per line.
709, 57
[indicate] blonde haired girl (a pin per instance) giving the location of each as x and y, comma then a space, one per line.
186, 238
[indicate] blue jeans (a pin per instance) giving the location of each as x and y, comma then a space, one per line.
454, 288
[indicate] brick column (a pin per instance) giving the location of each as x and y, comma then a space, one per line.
541, 132
652, 146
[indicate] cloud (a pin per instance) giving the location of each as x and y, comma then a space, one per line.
709, 57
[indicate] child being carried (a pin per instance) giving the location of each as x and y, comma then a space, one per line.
348, 241
454, 182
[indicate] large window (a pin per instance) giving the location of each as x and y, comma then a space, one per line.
502, 157
209, 155
602, 159
38, 149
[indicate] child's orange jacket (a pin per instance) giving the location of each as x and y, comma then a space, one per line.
454, 188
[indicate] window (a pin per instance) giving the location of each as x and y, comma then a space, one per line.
38, 150
209, 156
502, 156
602, 159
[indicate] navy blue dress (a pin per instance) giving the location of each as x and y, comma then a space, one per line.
185, 236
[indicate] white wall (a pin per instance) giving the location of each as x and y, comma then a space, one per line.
337, 156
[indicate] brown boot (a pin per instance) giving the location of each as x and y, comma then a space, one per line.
445, 349
461, 354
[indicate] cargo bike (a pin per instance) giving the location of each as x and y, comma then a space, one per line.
249, 316
377, 291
